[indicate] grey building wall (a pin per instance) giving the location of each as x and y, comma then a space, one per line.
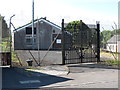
19, 39
56, 30
43, 36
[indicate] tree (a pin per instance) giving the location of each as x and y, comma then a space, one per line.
116, 31
71, 25
75, 25
82, 35
106, 35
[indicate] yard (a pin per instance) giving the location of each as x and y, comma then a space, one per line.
110, 58
106, 58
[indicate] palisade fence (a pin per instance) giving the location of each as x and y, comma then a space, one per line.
80, 44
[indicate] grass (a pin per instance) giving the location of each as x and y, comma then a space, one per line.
104, 53
5, 47
113, 55
112, 62
14, 58
115, 58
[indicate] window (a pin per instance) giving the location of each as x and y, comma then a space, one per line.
29, 30
29, 40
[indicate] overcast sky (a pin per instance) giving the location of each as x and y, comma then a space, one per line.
90, 11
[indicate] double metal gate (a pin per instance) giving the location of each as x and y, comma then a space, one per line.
80, 44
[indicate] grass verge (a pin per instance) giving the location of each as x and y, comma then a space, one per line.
112, 62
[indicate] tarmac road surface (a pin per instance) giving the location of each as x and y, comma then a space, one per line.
80, 76
90, 76
13, 79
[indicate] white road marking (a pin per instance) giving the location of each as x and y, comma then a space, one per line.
5, 66
29, 81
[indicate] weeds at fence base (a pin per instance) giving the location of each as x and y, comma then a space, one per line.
114, 63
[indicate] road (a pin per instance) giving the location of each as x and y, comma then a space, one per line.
90, 76
80, 76
106, 79
13, 79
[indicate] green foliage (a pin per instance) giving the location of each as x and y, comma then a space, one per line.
107, 34
104, 35
79, 29
5, 45
71, 25
117, 31
112, 62
76, 25
14, 58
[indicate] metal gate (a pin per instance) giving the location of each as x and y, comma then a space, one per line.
80, 44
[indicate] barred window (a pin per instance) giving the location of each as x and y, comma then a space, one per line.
29, 30
29, 40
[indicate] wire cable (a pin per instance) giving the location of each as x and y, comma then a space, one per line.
50, 46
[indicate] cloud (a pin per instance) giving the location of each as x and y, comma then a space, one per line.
54, 10
95, 0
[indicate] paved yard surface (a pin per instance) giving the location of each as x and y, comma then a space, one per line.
102, 79
78, 76
89, 76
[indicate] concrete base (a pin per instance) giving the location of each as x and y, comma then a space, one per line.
46, 58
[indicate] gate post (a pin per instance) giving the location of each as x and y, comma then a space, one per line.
98, 41
63, 43
81, 47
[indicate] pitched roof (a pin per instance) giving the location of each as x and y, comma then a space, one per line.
41, 19
114, 39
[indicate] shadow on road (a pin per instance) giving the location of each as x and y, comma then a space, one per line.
16, 78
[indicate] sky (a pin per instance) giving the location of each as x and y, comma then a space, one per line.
89, 11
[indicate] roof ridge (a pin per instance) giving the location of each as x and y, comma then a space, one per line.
44, 18
51, 22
